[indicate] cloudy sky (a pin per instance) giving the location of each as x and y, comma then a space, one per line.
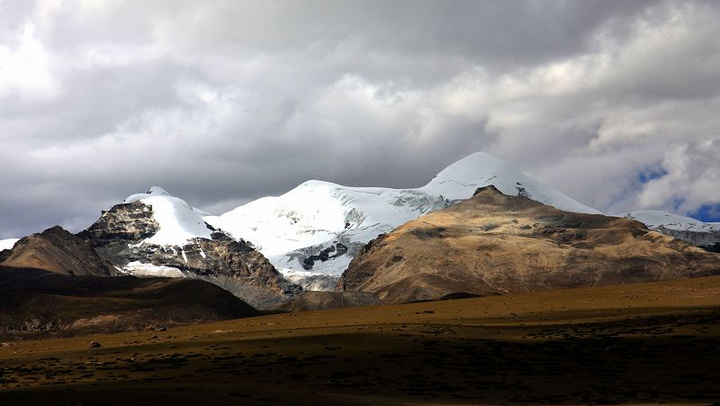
614, 102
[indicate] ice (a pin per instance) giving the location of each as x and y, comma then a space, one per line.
178, 221
319, 214
661, 219
138, 268
8, 243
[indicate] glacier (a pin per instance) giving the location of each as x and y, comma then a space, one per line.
301, 231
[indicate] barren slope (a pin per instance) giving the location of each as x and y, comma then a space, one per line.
57, 250
494, 243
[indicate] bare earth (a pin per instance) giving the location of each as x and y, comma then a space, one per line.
495, 244
641, 344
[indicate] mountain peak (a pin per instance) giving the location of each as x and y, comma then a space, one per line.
460, 180
178, 220
153, 191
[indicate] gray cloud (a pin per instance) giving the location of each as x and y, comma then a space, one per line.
221, 102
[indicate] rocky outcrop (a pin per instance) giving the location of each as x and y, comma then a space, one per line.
57, 250
312, 282
333, 251
709, 240
692, 231
123, 222
495, 244
120, 237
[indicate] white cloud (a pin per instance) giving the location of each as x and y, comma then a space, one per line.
25, 66
226, 101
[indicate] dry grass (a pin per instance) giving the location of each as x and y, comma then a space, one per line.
493, 243
642, 343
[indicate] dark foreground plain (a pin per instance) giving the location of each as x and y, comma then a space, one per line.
639, 344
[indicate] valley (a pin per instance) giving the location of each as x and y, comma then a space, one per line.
644, 343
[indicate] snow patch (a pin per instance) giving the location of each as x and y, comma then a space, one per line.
659, 219
138, 268
318, 213
153, 191
8, 243
178, 221
460, 180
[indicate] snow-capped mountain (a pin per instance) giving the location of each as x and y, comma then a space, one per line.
178, 222
8, 243
688, 229
157, 234
319, 226
460, 180
312, 232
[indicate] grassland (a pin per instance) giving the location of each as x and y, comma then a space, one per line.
641, 344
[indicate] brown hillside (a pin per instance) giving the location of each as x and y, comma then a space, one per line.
494, 243
56, 250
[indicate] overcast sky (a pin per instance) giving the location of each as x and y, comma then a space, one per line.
615, 103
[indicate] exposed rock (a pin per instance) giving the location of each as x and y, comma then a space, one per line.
494, 244
59, 251
119, 236
5, 254
126, 221
313, 282
333, 251
95, 344
702, 234
704, 239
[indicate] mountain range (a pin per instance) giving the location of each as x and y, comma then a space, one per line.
311, 233
267, 251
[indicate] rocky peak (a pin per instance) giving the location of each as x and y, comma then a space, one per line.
126, 236
125, 221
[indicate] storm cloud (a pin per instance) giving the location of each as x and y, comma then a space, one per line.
612, 102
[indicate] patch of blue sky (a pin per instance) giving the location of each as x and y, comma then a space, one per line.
651, 174
707, 212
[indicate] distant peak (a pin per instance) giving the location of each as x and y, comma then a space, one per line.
468, 168
461, 179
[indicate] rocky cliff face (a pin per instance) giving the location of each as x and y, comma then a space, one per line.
494, 244
120, 236
709, 240
56, 250
702, 234
123, 222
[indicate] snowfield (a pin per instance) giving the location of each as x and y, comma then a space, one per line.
8, 243
660, 219
179, 222
138, 268
460, 180
318, 215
